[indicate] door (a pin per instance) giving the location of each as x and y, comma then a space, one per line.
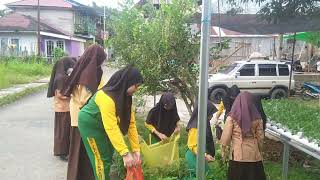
284, 76
267, 77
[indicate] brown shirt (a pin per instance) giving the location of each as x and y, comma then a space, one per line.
243, 149
61, 103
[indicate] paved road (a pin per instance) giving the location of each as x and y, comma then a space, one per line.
26, 141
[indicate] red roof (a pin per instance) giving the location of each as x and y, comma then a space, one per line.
43, 3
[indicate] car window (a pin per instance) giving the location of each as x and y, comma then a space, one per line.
247, 70
283, 70
267, 69
228, 69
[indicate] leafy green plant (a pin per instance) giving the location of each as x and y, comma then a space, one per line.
161, 44
295, 115
58, 53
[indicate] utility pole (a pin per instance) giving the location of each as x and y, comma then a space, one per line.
203, 88
104, 22
38, 30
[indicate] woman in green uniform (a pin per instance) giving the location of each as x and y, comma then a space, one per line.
192, 129
106, 118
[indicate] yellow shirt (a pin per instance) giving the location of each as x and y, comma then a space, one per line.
107, 109
220, 110
192, 140
79, 97
150, 127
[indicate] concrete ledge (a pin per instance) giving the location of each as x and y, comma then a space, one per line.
16, 92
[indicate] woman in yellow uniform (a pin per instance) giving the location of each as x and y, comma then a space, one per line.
192, 129
106, 118
163, 119
81, 85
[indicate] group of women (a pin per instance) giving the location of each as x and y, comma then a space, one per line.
92, 118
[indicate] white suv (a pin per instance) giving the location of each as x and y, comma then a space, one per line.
263, 77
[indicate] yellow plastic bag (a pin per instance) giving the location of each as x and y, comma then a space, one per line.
161, 154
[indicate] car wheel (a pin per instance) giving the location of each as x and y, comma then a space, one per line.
217, 95
279, 94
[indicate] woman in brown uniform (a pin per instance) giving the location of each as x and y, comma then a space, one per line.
244, 131
60, 73
82, 84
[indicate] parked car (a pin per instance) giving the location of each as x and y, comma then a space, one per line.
263, 77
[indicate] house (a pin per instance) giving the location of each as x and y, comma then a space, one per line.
247, 34
64, 24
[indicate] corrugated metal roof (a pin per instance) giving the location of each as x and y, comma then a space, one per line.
43, 3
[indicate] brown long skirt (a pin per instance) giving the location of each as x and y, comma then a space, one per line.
79, 167
246, 171
62, 125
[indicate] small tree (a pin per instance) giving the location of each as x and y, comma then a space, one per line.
160, 43
58, 53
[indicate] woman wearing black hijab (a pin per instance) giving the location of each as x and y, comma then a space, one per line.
80, 86
62, 121
192, 129
163, 119
106, 118
227, 101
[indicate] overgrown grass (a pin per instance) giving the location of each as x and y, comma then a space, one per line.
218, 169
296, 115
11, 98
19, 71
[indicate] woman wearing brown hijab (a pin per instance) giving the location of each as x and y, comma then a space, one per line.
62, 121
244, 131
82, 84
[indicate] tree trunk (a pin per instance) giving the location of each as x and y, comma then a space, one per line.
187, 94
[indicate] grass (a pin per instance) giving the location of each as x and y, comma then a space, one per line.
218, 168
296, 115
11, 98
19, 71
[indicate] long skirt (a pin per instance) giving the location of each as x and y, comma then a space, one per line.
246, 171
62, 125
79, 167
97, 144
192, 163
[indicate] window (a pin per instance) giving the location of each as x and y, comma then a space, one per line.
228, 69
60, 44
51, 45
4, 46
49, 48
267, 70
14, 46
247, 70
283, 70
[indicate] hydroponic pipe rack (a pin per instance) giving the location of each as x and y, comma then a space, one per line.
288, 139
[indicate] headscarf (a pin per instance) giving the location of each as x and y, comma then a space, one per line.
164, 120
244, 111
117, 88
87, 70
59, 75
193, 123
228, 100
258, 104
